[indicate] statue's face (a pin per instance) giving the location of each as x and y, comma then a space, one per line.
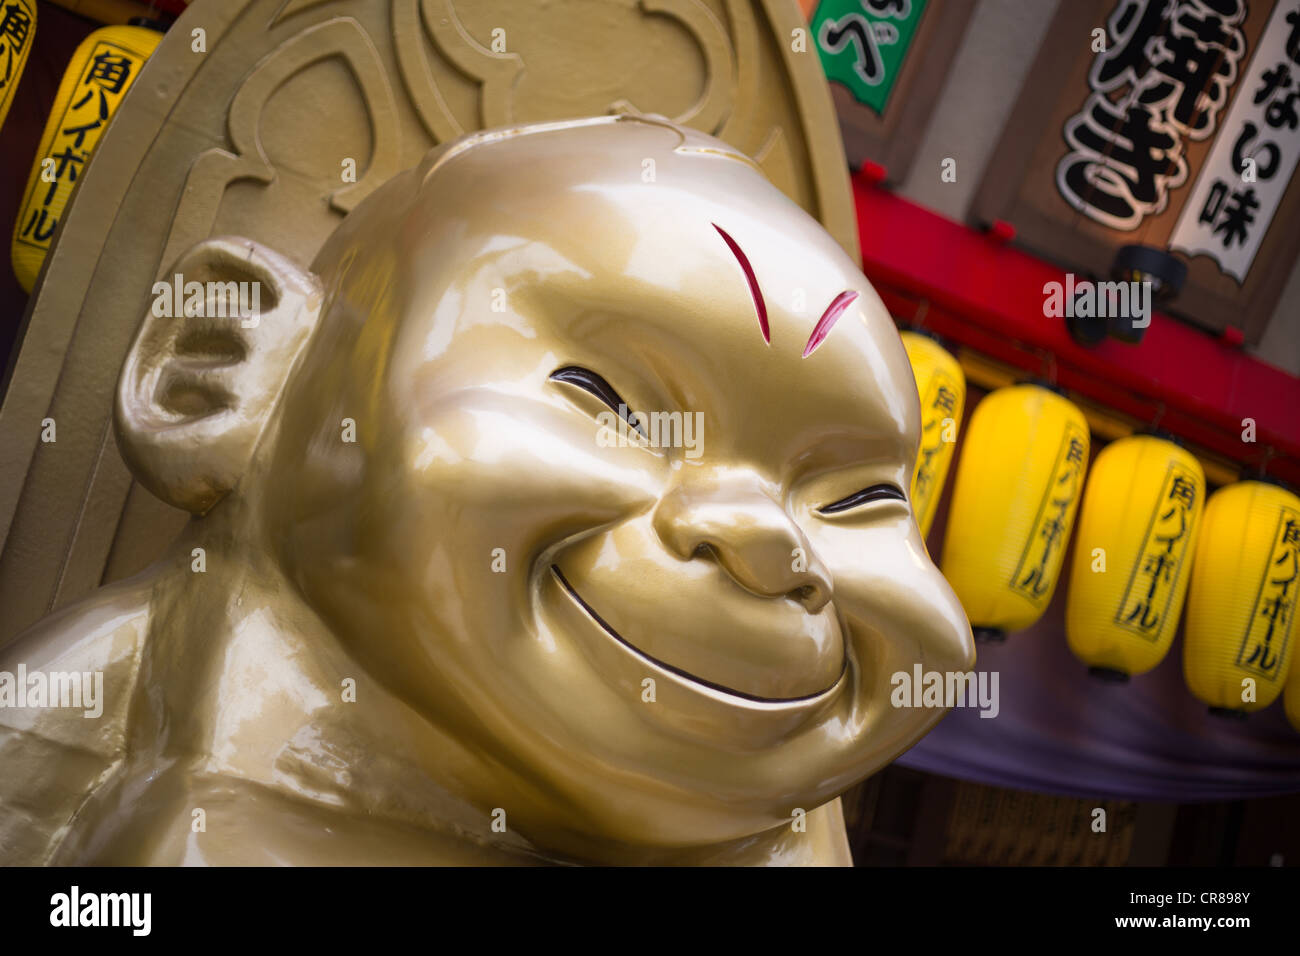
669, 642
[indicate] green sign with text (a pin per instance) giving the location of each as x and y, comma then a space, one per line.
862, 44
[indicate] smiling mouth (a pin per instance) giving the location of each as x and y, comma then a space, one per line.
712, 685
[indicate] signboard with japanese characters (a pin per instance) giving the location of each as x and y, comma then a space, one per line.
886, 61
862, 44
1165, 123
1253, 159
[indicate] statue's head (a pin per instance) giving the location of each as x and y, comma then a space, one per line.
593, 448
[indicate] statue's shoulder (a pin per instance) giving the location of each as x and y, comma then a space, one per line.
65, 692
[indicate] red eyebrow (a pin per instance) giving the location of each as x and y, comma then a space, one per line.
759, 305
828, 320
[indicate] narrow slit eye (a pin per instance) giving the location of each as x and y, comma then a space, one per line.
874, 493
589, 381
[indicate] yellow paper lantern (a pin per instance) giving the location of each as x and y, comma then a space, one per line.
1133, 555
1241, 620
17, 34
941, 386
1292, 698
1018, 485
97, 78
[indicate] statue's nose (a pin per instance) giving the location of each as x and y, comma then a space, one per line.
736, 522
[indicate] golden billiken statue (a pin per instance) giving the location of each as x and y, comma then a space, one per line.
425, 614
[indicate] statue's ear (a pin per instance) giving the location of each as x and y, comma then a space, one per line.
207, 367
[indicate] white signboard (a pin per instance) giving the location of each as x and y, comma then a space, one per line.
1250, 164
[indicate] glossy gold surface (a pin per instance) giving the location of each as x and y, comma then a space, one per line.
295, 112
437, 605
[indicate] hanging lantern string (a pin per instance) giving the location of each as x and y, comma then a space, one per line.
1048, 370
922, 310
1160, 414
1269, 452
